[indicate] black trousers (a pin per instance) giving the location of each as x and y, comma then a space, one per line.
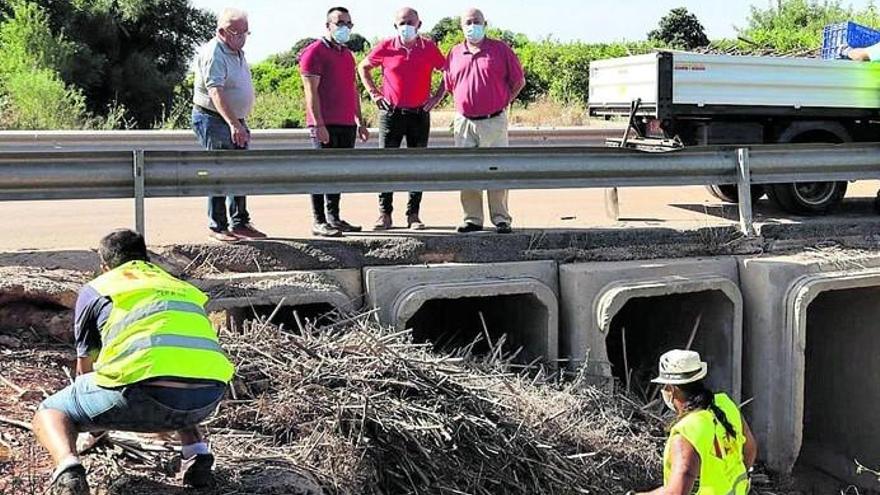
325, 207
394, 126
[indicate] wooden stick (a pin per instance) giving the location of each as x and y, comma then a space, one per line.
272, 315
13, 386
625, 359
16, 423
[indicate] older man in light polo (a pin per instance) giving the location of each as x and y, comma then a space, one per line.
484, 77
223, 96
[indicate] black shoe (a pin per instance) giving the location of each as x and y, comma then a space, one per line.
71, 481
468, 227
325, 230
503, 228
197, 471
344, 226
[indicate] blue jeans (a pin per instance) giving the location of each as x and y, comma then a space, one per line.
214, 134
139, 408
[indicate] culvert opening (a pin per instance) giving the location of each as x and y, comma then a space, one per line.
657, 324
453, 324
315, 313
35, 319
841, 401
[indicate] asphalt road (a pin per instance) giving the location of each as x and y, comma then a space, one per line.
50, 225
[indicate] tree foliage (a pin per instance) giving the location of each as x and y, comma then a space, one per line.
680, 29
791, 25
127, 54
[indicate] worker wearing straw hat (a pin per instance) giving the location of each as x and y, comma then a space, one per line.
709, 441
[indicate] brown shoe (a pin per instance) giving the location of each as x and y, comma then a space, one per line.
222, 236
414, 222
247, 232
384, 222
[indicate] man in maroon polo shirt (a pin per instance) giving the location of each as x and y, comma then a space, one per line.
484, 77
333, 108
405, 101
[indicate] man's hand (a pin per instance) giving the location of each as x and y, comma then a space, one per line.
363, 133
240, 134
322, 134
432, 102
381, 103
86, 441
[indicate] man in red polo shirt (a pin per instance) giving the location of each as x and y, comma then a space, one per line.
484, 77
333, 108
405, 101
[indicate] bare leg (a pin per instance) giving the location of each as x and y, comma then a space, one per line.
56, 433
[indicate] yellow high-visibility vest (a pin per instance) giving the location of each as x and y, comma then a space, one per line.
157, 328
722, 467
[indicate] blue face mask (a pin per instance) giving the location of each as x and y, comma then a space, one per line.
407, 32
475, 32
342, 34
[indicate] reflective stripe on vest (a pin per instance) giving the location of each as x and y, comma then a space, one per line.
722, 468
196, 343
150, 310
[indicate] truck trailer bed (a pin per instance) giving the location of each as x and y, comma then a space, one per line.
674, 84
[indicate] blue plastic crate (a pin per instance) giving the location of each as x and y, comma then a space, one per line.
847, 34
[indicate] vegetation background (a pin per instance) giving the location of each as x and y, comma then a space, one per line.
120, 64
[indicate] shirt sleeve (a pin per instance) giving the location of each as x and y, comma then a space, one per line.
214, 71
447, 72
377, 55
438, 61
515, 72
90, 306
873, 52
310, 62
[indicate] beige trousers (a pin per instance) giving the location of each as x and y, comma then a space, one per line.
488, 133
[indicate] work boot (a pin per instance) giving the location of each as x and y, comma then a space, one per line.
222, 236
325, 230
71, 481
414, 222
344, 226
384, 222
247, 232
196, 470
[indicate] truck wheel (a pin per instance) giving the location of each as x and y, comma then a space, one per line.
807, 198
729, 193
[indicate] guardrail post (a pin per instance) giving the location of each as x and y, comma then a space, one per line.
138, 174
744, 190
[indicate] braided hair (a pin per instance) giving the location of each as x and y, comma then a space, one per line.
696, 397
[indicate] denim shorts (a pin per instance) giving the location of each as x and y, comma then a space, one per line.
139, 408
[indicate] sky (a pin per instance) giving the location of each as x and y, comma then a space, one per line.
276, 25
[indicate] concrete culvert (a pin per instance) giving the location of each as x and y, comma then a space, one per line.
453, 324
29, 319
841, 403
654, 325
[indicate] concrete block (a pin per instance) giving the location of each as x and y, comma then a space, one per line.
311, 292
446, 304
810, 360
654, 306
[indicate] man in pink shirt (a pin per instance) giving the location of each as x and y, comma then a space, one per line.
484, 77
405, 101
333, 108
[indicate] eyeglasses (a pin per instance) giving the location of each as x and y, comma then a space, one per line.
236, 34
341, 23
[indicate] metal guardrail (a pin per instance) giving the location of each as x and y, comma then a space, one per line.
274, 139
141, 174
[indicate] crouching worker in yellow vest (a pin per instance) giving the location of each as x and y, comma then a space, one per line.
710, 445
148, 361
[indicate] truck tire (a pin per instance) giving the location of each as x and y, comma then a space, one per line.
807, 198
729, 193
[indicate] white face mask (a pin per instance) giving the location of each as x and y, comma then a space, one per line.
407, 32
667, 399
342, 34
